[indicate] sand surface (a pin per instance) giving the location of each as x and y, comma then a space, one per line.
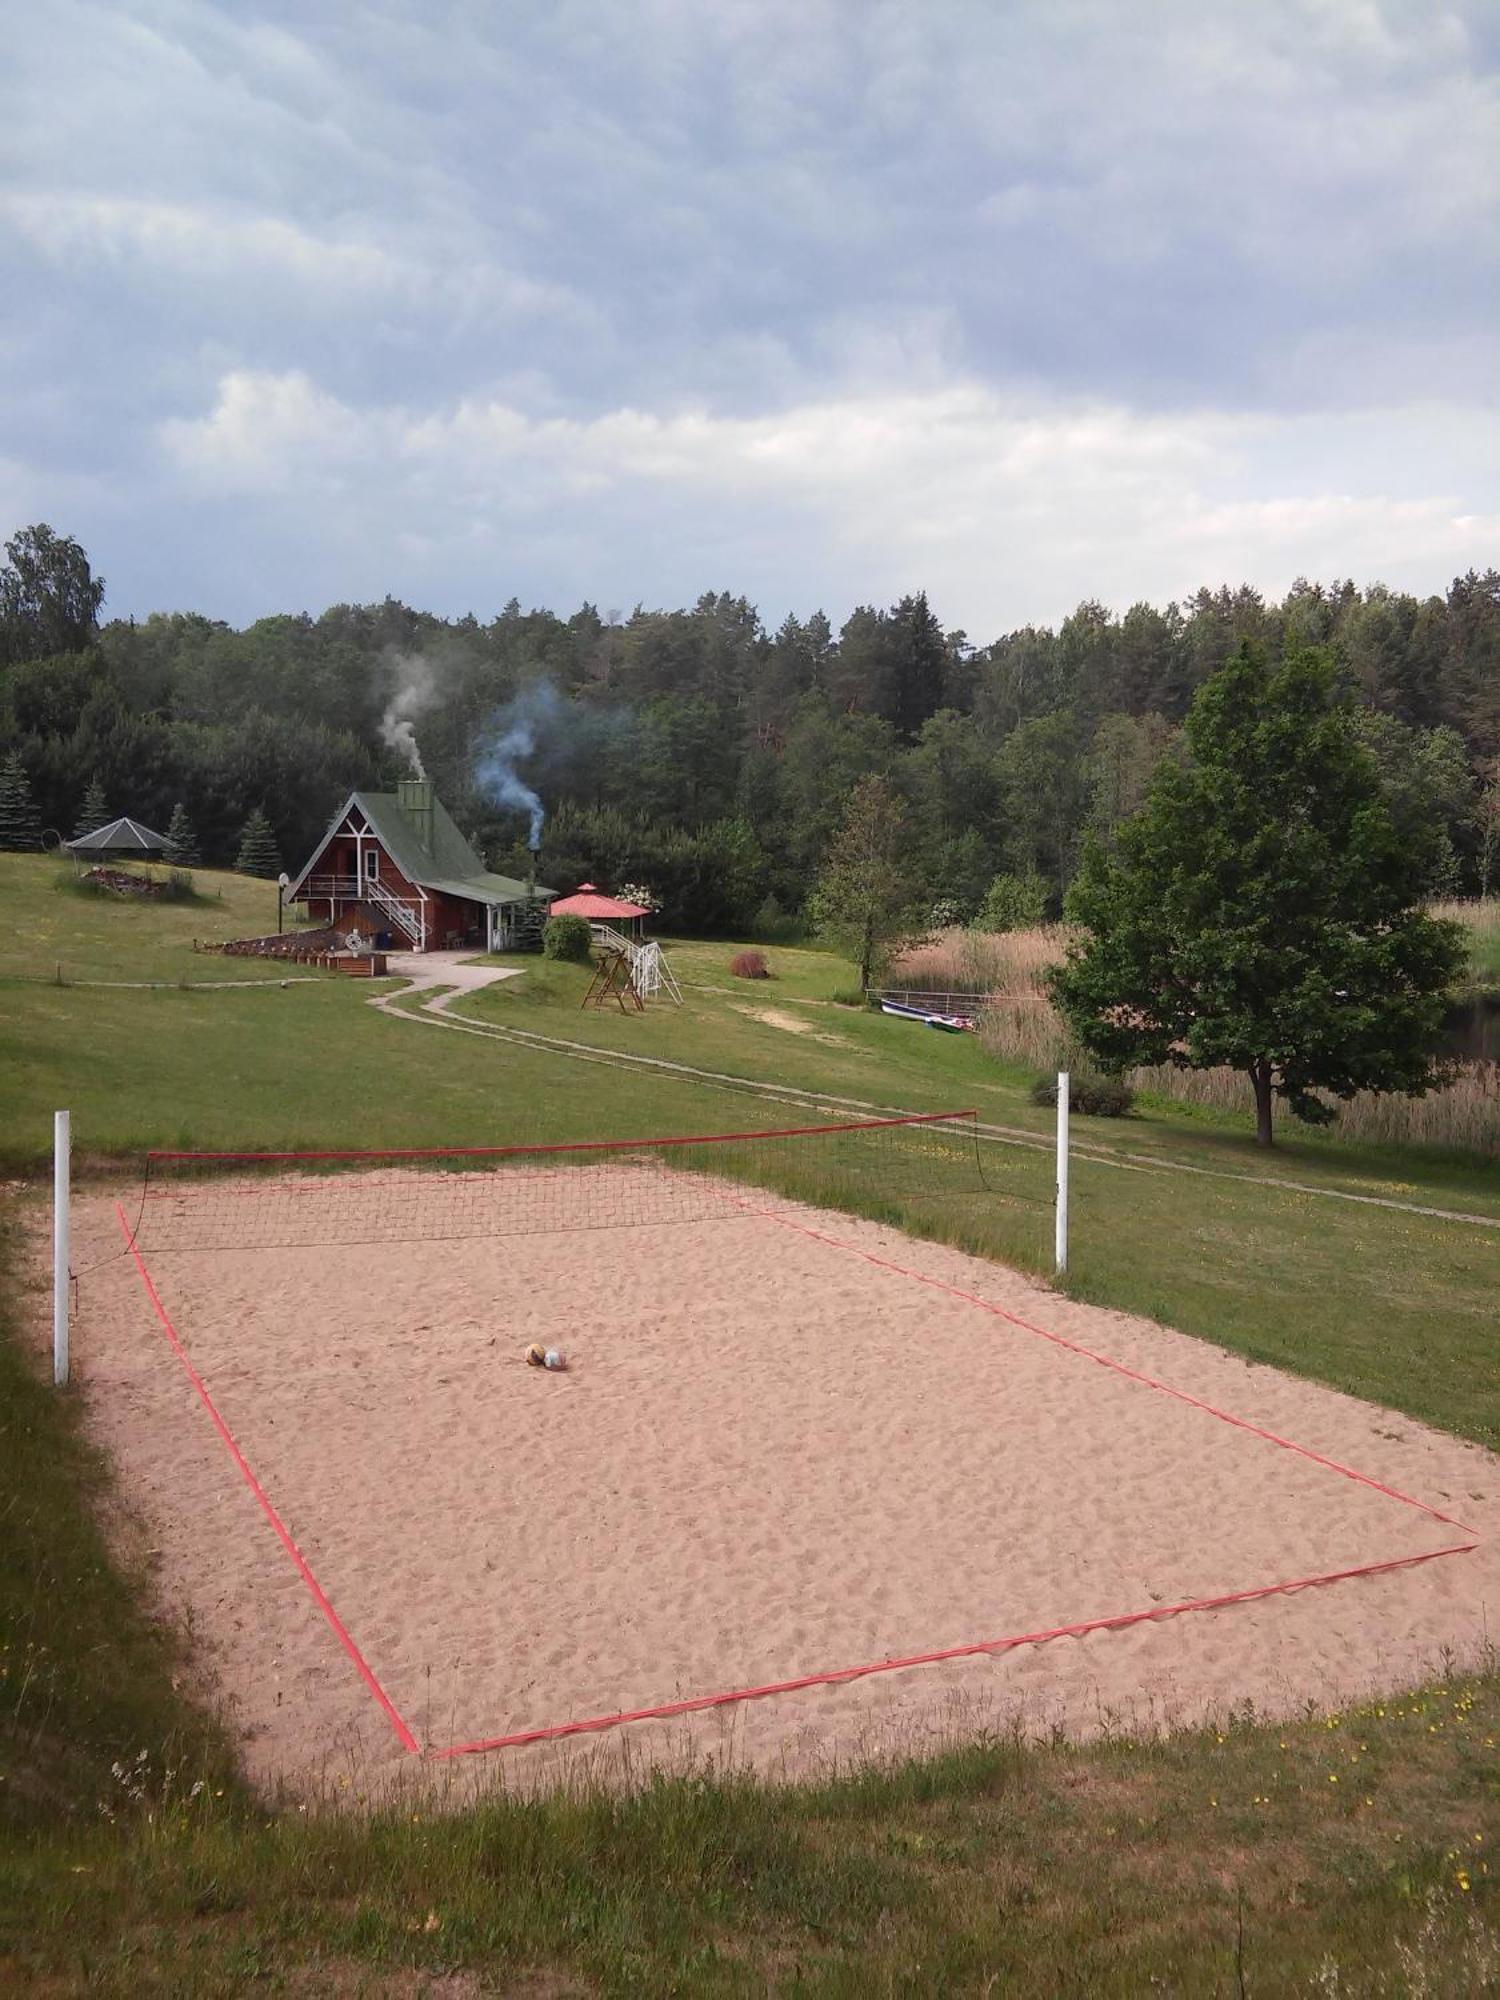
793, 1024
770, 1456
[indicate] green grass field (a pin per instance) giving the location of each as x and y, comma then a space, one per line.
55, 930
1220, 1861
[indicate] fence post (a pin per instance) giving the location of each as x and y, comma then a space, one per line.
61, 1189
1062, 1171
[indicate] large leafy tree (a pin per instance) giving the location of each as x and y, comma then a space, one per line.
869, 899
49, 597
1044, 789
1261, 910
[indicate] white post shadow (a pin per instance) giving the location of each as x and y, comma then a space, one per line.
61, 1191
1062, 1171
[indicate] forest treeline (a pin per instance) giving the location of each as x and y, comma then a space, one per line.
699, 753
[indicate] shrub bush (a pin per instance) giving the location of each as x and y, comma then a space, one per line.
1090, 1092
749, 965
1014, 903
569, 938
774, 925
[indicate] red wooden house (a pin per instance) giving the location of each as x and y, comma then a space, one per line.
399, 857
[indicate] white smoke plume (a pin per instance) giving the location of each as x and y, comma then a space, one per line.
415, 685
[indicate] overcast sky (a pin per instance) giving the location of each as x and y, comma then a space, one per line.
821, 301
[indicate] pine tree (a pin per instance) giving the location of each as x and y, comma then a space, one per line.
259, 854
95, 812
20, 828
918, 663
185, 851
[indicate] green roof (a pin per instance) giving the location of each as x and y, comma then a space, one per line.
449, 864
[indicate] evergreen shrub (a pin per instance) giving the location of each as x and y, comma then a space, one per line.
20, 828
568, 938
258, 853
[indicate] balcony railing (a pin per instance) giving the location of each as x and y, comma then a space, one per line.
343, 888
408, 916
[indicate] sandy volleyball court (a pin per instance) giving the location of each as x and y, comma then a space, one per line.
774, 1455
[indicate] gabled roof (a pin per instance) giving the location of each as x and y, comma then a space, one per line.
448, 865
121, 836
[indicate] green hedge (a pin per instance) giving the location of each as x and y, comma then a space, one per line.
568, 937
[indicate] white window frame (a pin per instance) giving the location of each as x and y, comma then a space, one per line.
372, 864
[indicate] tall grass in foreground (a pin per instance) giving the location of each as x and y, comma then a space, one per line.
1007, 972
1465, 1117
85, 1671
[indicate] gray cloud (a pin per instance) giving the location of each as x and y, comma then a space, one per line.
309, 303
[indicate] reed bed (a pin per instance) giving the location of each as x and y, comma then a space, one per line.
988, 964
1006, 973
1481, 919
1463, 1118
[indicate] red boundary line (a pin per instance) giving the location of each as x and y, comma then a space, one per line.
581, 1145
833, 1676
408, 1741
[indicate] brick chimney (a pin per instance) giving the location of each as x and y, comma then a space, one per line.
415, 796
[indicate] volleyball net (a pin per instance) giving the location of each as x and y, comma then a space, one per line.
207, 1201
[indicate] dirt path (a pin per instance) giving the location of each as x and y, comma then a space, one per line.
444, 975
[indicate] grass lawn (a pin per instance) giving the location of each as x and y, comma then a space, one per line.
1331, 1855
813, 1042
52, 926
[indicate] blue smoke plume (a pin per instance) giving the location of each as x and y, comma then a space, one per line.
511, 735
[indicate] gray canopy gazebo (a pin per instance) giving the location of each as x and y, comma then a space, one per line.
120, 837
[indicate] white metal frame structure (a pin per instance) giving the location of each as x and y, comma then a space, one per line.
62, 1187
1062, 1171
649, 970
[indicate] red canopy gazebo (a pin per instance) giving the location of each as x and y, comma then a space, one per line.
586, 901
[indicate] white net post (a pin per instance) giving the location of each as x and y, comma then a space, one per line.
1062, 1171
61, 1191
